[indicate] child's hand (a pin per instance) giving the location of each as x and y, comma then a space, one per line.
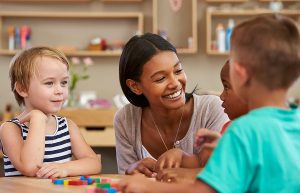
206, 141
145, 166
178, 175
206, 138
170, 159
52, 170
32, 115
135, 184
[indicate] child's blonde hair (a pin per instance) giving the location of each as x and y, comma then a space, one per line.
269, 47
23, 67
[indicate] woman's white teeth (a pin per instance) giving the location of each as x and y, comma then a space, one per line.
176, 94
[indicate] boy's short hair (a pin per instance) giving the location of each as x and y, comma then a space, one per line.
269, 48
23, 67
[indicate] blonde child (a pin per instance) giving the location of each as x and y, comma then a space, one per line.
37, 142
259, 152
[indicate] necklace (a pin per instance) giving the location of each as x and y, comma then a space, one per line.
160, 133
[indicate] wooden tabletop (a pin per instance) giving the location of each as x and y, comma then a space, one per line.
32, 185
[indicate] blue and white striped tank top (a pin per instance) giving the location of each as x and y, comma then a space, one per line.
57, 146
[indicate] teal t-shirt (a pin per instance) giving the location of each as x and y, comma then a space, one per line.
260, 152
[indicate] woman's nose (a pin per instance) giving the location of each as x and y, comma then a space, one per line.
174, 82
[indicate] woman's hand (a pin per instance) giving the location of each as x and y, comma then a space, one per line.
135, 184
145, 166
170, 159
52, 170
178, 175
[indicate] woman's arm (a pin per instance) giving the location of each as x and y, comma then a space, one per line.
125, 152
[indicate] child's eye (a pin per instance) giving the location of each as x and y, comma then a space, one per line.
64, 83
49, 83
226, 87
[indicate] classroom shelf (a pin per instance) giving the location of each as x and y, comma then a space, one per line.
221, 16
177, 20
43, 18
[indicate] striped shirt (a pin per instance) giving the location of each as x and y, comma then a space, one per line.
57, 145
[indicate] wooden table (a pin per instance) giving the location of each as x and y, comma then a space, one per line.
36, 185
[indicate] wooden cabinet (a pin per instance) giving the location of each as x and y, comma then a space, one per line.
96, 125
214, 17
72, 29
180, 26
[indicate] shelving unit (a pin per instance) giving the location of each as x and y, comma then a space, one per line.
91, 19
221, 16
178, 23
280, 0
45, 1
122, 1
96, 125
226, 1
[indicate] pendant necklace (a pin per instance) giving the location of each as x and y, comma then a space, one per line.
158, 131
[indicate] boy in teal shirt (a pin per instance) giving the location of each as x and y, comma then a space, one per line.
260, 151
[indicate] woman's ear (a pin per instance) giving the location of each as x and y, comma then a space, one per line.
134, 86
21, 90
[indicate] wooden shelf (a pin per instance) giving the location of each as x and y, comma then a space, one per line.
218, 15
44, 1
122, 1
137, 16
96, 125
280, 0
90, 117
192, 33
100, 15
5, 52
250, 12
217, 53
226, 1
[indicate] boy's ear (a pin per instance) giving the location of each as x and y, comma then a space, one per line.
21, 90
242, 73
134, 86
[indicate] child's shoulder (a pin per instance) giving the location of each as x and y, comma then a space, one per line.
13, 125
14, 122
264, 119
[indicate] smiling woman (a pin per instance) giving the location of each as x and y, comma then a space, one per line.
161, 114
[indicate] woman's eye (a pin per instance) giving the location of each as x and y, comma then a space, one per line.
159, 79
179, 71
